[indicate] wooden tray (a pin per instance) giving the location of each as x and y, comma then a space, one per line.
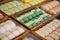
33, 32
24, 33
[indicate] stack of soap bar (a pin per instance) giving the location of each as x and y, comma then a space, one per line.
12, 7
55, 10
29, 37
49, 28
1, 16
33, 2
9, 30
30, 18
54, 36
50, 5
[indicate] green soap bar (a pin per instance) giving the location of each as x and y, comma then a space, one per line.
22, 21
37, 13
34, 15
34, 24
26, 20
45, 17
48, 16
35, 18
30, 17
41, 12
30, 26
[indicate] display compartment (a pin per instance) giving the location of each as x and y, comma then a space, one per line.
13, 31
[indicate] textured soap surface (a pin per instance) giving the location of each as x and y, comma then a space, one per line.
30, 18
9, 30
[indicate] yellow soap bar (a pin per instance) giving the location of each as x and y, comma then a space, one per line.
26, 1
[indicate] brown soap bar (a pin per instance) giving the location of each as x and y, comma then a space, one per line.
1, 16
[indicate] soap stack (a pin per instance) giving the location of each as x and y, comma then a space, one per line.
30, 18
9, 30
12, 7
1, 16
52, 7
49, 28
33, 2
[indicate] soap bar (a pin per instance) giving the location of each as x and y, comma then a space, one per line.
1, 16
26, 1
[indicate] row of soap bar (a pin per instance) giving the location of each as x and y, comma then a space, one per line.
47, 29
30, 18
55, 10
1, 16
13, 7
33, 2
40, 19
54, 36
9, 30
50, 5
